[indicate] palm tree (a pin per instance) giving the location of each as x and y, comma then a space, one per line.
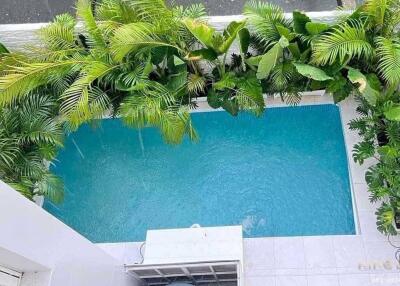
127, 61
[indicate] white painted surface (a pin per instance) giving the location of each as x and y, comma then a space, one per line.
8, 280
17, 36
194, 244
9, 277
33, 240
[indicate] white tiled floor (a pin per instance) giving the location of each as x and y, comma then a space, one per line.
365, 259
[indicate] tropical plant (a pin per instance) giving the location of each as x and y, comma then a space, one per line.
283, 51
127, 61
381, 141
234, 87
29, 137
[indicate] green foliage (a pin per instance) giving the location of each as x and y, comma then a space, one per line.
316, 28
29, 137
344, 42
3, 49
300, 21
312, 72
364, 85
269, 60
393, 113
388, 53
264, 19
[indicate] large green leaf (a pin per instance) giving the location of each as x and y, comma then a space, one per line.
315, 28
228, 80
340, 88
299, 22
202, 31
364, 87
202, 54
254, 61
269, 60
285, 32
294, 50
244, 39
311, 72
230, 34
393, 113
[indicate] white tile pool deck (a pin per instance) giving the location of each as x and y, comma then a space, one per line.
365, 259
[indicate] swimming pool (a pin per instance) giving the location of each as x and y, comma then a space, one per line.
284, 174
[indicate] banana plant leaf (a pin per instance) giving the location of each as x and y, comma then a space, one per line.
312, 72
269, 60
364, 86
201, 31
230, 34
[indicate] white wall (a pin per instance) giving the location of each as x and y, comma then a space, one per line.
33, 240
18, 36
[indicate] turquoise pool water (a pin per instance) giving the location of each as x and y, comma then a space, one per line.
284, 174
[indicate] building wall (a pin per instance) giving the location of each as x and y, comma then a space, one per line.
33, 240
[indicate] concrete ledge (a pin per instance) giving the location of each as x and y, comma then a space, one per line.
18, 36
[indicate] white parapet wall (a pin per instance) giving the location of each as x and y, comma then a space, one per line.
17, 36
47, 251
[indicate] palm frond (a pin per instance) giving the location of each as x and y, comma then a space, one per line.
84, 11
156, 107
50, 186
196, 84
25, 78
343, 42
60, 34
291, 97
249, 96
82, 102
117, 11
132, 37
388, 54
193, 11
151, 11
263, 18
